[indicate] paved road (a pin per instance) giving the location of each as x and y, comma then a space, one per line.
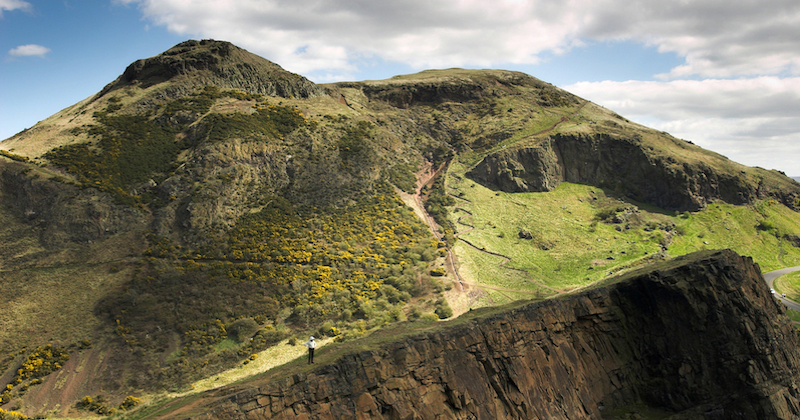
772, 275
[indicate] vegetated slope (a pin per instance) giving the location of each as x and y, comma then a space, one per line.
580, 234
696, 337
208, 204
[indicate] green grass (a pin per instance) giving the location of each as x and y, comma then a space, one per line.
226, 344
789, 284
574, 241
792, 314
722, 225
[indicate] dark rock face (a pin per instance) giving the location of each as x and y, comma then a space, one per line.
221, 64
702, 337
619, 164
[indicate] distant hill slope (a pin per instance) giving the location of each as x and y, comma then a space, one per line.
208, 204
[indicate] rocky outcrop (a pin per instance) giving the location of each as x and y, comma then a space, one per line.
220, 64
623, 165
700, 336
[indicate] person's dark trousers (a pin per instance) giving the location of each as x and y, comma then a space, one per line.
310, 355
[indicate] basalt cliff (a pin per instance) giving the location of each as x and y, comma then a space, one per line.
624, 164
700, 337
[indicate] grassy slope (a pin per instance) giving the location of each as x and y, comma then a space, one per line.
581, 250
570, 248
789, 284
53, 294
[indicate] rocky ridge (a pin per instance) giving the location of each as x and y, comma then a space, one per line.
701, 337
626, 165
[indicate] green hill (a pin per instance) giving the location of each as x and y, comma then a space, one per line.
207, 205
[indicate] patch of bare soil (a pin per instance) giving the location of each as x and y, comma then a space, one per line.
60, 391
426, 176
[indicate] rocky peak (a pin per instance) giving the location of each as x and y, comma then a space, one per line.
220, 63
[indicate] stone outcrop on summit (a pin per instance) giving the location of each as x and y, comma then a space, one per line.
217, 63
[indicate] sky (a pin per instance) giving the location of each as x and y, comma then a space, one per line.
722, 74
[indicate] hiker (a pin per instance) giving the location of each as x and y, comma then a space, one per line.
311, 344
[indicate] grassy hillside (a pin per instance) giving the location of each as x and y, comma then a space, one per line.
184, 227
546, 243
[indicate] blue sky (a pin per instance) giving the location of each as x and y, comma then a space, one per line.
722, 74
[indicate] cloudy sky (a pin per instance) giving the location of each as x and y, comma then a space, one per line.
723, 74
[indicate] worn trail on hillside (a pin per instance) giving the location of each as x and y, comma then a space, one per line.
425, 178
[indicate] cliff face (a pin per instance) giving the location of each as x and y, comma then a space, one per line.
702, 337
619, 164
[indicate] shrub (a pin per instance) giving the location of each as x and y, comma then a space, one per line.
129, 402
12, 415
327, 329
13, 156
242, 329
96, 405
41, 362
766, 225
429, 317
442, 309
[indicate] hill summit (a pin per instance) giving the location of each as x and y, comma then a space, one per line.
208, 205
218, 63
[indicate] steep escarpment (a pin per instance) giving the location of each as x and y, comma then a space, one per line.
626, 165
701, 337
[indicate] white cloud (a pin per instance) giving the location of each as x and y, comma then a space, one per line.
14, 5
420, 33
29, 50
750, 120
717, 38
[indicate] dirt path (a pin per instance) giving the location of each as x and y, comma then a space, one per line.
561, 121
425, 178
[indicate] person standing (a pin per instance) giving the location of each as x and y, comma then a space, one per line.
311, 344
